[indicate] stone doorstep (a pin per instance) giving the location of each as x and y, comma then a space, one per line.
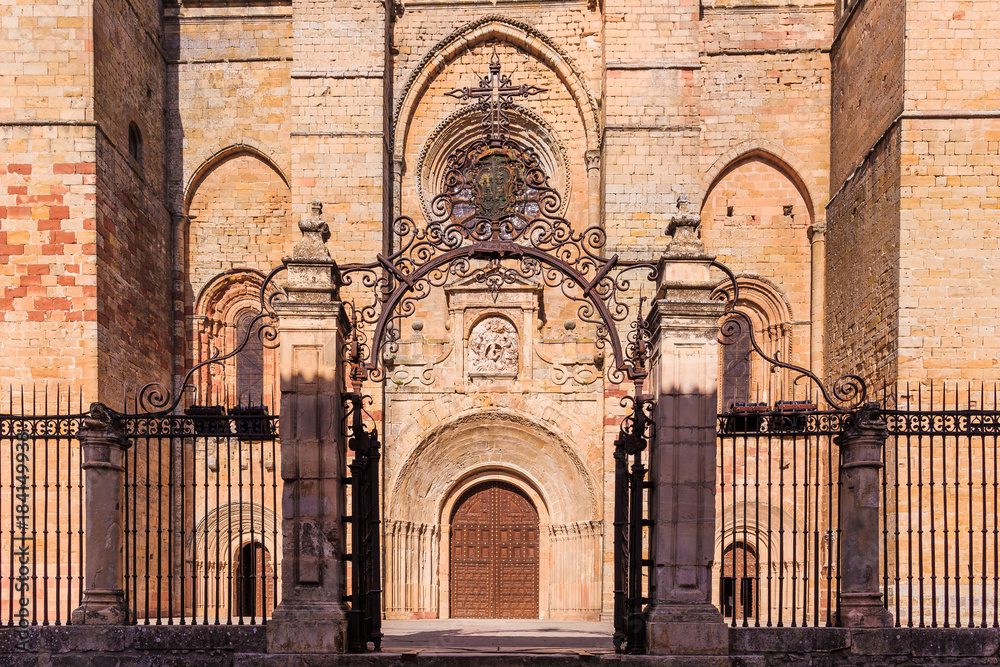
475, 659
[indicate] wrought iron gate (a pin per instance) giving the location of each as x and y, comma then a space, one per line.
364, 620
631, 518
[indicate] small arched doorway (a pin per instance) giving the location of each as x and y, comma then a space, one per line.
254, 591
494, 554
739, 582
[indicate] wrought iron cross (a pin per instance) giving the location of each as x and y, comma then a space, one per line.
495, 94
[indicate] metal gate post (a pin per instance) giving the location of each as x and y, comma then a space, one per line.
311, 617
685, 323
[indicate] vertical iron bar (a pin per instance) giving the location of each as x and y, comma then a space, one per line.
806, 458
739, 592
34, 508
263, 564
239, 542
10, 600
182, 490
756, 533
252, 578
722, 504
275, 467
996, 516
909, 516
770, 501
982, 491
44, 551
170, 523
230, 600
958, 536
781, 532
218, 506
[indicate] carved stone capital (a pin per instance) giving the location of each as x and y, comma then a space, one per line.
816, 233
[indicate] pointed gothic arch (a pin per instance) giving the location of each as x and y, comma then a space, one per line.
781, 160
221, 156
500, 29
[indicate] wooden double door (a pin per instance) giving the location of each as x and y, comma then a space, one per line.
494, 554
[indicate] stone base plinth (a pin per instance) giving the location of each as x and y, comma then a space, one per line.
101, 607
863, 611
686, 630
307, 629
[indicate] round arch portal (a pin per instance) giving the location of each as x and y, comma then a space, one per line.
492, 447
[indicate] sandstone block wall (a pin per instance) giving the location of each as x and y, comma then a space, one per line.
914, 171
48, 256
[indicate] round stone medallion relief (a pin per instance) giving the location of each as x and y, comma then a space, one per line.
493, 348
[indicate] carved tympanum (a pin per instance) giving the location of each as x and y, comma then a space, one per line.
493, 347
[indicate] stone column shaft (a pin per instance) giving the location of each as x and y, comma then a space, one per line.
861, 446
103, 448
817, 299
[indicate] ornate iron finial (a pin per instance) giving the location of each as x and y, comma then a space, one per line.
355, 352
495, 95
639, 339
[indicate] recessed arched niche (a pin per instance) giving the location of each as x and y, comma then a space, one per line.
464, 127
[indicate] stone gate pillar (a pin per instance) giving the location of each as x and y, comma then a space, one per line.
681, 620
311, 617
861, 445
103, 446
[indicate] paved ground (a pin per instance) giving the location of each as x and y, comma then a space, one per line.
503, 636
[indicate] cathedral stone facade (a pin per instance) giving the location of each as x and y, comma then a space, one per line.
156, 158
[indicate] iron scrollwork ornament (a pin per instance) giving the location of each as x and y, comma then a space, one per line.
155, 399
497, 222
847, 393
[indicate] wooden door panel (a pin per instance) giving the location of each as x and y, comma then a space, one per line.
494, 554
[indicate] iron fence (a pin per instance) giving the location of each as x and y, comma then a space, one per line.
42, 502
940, 500
777, 503
201, 515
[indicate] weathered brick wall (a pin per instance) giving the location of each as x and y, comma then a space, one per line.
239, 218
766, 85
48, 308
948, 272
756, 206
337, 100
867, 61
949, 192
132, 223
951, 55
863, 241
651, 134
228, 120
863, 212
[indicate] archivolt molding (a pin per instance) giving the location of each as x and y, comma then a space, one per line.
221, 155
768, 308
493, 28
753, 531
463, 126
762, 296
778, 157
476, 477
229, 290
228, 527
533, 448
